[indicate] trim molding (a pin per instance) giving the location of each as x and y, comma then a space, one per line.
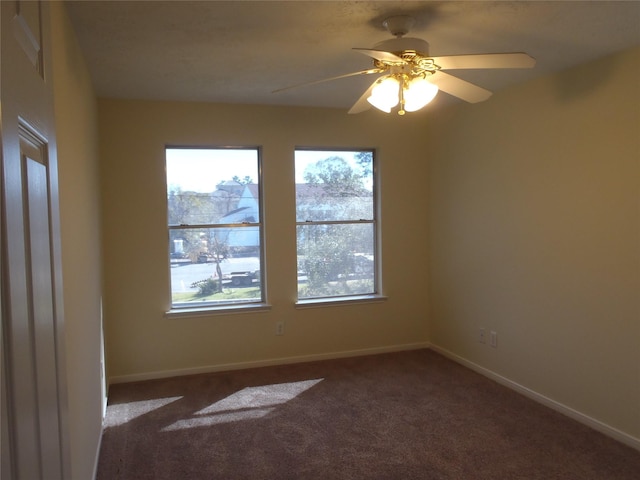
97, 456
601, 427
137, 377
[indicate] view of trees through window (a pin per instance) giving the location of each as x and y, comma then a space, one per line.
215, 225
335, 223
214, 220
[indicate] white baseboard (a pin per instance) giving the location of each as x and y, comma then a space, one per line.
601, 427
612, 432
265, 363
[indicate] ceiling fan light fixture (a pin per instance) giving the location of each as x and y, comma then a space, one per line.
386, 94
418, 93
407, 64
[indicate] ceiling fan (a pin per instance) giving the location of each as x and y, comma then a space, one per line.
412, 77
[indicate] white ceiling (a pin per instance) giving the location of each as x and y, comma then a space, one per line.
240, 51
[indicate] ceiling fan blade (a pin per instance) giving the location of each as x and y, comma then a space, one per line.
459, 88
380, 55
361, 105
353, 74
485, 60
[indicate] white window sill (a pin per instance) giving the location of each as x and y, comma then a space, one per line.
339, 301
207, 311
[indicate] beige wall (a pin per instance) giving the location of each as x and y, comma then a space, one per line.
529, 212
76, 124
535, 233
141, 341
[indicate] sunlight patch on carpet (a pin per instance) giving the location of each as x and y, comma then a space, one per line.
218, 419
122, 413
247, 404
263, 396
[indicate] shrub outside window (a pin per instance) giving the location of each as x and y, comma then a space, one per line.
335, 223
215, 227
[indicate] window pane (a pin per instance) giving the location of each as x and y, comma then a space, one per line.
215, 233
335, 260
218, 265
334, 186
212, 186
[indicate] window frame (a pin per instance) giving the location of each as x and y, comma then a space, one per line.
332, 300
182, 309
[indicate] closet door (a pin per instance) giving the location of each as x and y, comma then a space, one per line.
33, 386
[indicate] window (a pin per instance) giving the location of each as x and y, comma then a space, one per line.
335, 223
215, 226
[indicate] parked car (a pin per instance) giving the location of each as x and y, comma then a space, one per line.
362, 264
205, 257
244, 278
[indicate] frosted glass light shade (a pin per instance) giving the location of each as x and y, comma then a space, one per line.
385, 95
418, 93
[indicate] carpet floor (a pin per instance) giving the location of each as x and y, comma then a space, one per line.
406, 415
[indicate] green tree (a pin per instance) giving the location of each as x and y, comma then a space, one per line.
335, 177
187, 208
365, 161
244, 181
184, 207
219, 248
334, 192
328, 258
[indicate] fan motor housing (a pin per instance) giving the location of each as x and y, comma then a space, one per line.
398, 45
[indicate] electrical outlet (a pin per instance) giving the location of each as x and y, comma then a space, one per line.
279, 328
494, 339
481, 336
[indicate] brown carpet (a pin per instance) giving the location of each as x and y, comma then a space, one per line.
409, 415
